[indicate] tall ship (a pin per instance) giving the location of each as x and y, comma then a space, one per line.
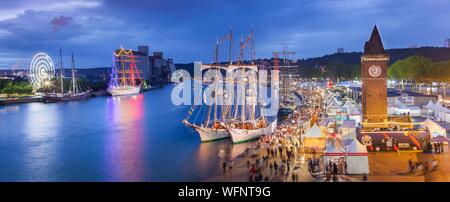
125, 78
240, 119
206, 119
75, 92
248, 121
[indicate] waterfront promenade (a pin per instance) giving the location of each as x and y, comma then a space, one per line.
257, 162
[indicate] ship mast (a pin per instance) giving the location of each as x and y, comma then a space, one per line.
74, 88
61, 76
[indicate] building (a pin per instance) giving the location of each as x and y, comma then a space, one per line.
374, 64
447, 43
340, 50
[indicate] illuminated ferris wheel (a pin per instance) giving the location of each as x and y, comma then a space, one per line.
41, 70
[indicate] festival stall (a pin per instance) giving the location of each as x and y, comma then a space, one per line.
314, 138
356, 115
435, 128
357, 158
428, 109
334, 150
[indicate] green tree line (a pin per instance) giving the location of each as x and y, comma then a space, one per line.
20, 87
419, 71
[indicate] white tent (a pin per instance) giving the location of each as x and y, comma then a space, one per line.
332, 107
356, 115
440, 111
428, 109
402, 108
357, 158
414, 110
314, 132
348, 106
435, 128
429, 106
333, 149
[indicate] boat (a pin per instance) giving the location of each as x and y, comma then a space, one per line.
247, 133
208, 120
212, 117
75, 93
124, 90
248, 122
125, 80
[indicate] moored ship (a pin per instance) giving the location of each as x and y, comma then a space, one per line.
125, 78
199, 117
75, 92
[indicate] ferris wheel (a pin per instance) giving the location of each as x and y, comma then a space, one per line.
41, 70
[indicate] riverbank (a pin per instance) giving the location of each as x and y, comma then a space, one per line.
20, 100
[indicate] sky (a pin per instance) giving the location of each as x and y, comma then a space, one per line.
187, 30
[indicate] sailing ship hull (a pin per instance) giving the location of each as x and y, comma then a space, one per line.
242, 135
124, 90
209, 134
59, 98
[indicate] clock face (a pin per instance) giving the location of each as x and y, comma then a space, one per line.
375, 71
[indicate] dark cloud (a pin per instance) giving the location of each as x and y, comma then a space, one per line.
187, 30
61, 21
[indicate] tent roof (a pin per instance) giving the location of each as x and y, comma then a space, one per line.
355, 111
401, 105
314, 131
430, 105
355, 147
333, 146
438, 106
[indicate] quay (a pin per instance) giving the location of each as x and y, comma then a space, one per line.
286, 148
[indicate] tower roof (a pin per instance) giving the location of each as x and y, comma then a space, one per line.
374, 45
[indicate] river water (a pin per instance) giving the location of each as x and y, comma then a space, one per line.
138, 138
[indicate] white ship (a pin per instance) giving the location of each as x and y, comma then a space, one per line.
125, 78
124, 90
239, 135
208, 134
208, 120
248, 122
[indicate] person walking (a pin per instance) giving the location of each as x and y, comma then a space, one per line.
335, 169
410, 165
365, 177
224, 166
230, 166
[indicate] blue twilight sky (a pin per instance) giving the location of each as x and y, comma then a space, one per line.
186, 30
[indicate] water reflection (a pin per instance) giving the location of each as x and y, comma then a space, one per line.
219, 151
10, 108
125, 138
41, 127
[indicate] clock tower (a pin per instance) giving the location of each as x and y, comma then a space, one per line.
374, 64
